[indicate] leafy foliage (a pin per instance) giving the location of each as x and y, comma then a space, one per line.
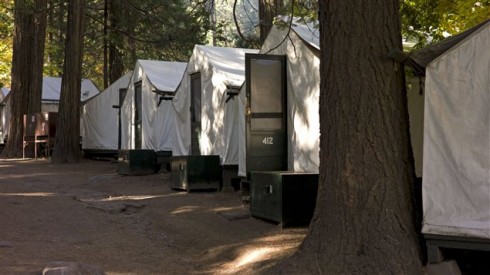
426, 21
6, 31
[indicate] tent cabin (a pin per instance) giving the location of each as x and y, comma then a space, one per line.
100, 117
280, 140
298, 50
51, 90
146, 113
207, 107
456, 155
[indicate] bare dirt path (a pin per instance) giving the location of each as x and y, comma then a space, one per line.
127, 225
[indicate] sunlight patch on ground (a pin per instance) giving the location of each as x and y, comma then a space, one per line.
133, 198
255, 255
184, 209
251, 255
220, 209
33, 194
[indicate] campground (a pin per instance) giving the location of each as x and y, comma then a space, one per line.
87, 213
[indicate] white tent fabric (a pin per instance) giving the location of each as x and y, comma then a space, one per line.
3, 93
303, 91
456, 169
100, 119
157, 123
219, 67
51, 91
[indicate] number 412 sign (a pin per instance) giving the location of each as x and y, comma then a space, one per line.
268, 141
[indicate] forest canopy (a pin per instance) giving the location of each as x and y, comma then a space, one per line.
119, 32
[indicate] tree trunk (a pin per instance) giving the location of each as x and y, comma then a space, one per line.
363, 222
27, 61
67, 142
116, 66
106, 44
268, 9
38, 45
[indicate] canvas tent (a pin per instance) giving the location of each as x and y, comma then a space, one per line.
3, 93
302, 50
146, 112
456, 150
101, 119
51, 90
214, 75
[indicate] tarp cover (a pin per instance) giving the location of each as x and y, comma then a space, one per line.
303, 93
219, 67
100, 119
4, 92
456, 167
52, 89
157, 122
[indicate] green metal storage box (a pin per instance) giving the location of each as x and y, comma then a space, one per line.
196, 172
283, 196
136, 162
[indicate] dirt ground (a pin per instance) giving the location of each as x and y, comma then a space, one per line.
87, 213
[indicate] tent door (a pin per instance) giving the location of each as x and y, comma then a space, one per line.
137, 116
122, 95
266, 147
195, 113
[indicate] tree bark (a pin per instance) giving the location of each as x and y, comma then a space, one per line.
363, 222
116, 66
268, 9
27, 65
38, 45
67, 143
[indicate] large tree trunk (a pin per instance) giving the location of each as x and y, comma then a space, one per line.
363, 223
67, 142
116, 66
268, 9
27, 65
39, 40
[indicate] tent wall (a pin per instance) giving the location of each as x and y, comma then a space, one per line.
149, 103
456, 182
303, 91
157, 116
100, 119
218, 67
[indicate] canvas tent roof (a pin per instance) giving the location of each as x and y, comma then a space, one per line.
229, 62
4, 92
154, 70
420, 59
100, 119
456, 155
52, 89
308, 31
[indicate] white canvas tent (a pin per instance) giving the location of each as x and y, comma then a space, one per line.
50, 98
155, 79
302, 50
456, 154
221, 69
3, 93
101, 120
